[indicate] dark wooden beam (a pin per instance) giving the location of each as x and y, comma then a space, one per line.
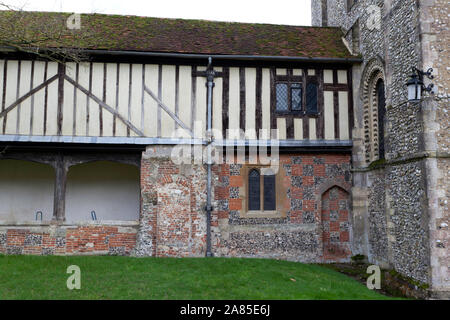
177, 93
258, 101
59, 203
161, 105
320, 121
273, 100
193, 97
32, 97
350, 102
130, 87
225, 101
5, 76
104, 105
336, 114
305, 119
158, 129
27, 95
242, 98
46, 98
59, 115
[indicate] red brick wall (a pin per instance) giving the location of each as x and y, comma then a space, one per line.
308, 180
336, 224
44, 240
172, 217
173, 222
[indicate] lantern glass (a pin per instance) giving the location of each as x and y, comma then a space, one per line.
414, 91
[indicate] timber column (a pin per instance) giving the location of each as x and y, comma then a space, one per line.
59, 203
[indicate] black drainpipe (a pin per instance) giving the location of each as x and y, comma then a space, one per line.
210, 85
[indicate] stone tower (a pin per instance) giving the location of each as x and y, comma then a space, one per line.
401, 166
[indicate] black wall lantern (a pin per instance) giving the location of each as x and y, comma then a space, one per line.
416, 86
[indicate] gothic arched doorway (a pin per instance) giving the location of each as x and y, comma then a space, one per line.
336, 224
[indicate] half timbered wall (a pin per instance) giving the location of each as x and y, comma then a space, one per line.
39, 98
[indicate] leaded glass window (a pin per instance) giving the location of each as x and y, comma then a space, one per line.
254, 195
288, 97
261, 190
296, 96
269, 192
282, 97
311, 98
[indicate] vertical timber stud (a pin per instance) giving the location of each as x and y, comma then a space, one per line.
320, 119
289, 120
61, 72
258, 105
5, 75
32, 98
45, 99
350, 102
273, 115
59, 202
158, 129
225, 101
242, 103
336, 105
306, 118
19, 66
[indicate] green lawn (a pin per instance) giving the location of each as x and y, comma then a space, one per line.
108, 277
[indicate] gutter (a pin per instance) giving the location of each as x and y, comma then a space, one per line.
213, 56
224, 56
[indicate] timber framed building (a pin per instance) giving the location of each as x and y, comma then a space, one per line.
86, 147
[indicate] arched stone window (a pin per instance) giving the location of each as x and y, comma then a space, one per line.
373, 97
381, 104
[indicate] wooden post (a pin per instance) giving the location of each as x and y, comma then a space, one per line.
59, 203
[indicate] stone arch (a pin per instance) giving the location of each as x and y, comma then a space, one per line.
372, 75
335, 223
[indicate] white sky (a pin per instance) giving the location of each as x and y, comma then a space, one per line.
292, 12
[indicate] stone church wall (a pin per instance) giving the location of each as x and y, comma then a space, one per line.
313, 209
401, 201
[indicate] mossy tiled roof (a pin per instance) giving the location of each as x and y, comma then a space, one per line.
132, 33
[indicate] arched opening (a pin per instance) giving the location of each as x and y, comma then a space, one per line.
26, 188
110, 189
374, 109
381, 104
336, 224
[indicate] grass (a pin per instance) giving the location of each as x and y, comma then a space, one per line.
108, 277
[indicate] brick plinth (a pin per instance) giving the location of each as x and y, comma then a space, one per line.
70, 240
